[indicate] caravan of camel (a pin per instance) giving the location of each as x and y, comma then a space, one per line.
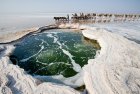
98, 18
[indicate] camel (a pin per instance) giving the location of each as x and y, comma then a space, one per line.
60, 19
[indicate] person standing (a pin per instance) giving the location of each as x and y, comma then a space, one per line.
68, 17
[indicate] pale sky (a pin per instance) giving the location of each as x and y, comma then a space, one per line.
35, 6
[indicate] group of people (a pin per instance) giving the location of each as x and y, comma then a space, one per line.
95, 17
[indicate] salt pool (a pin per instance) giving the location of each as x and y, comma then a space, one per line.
54, 52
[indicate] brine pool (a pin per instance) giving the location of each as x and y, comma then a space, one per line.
54, 52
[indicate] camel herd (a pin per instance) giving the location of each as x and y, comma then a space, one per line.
98, 18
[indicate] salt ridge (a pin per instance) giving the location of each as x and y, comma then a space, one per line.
117, 69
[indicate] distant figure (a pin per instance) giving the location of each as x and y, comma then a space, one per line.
75, 15
68, 18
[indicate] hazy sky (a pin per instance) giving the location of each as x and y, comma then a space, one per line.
34, 6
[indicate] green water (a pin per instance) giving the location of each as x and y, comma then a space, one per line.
52, 52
